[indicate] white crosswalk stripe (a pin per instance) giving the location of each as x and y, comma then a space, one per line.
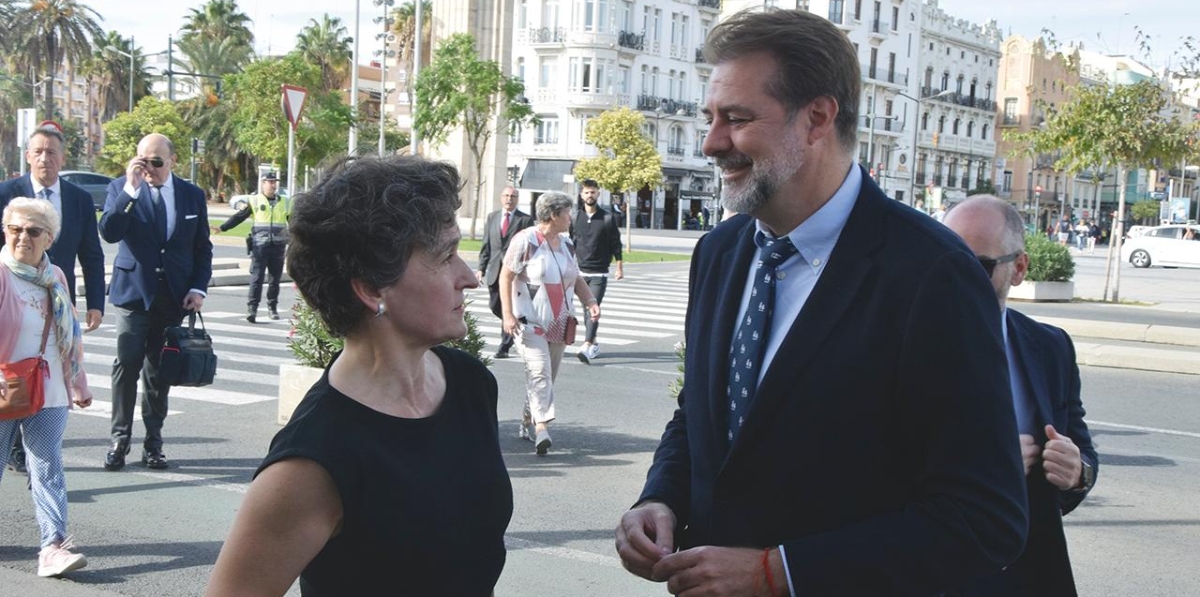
636, 309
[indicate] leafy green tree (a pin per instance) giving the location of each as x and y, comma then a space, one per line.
986, 188
260, 124
122, 134
1146, 211
459, 90
1128, 126
50, 31
628, 161
325, 44
218, 20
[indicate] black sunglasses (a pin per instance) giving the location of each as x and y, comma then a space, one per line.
989, 264
32, 231
156, 161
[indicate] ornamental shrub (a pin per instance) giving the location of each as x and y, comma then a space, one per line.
1048, 260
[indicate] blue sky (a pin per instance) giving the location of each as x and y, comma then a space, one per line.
1102, 25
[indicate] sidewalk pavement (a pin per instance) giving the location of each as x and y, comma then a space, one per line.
1132, 338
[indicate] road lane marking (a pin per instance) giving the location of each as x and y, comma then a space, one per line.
1147, 429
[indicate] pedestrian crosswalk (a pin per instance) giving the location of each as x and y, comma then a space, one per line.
636, 309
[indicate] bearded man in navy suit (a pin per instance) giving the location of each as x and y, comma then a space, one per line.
834, 434
162, 270
77, 238
1060, 461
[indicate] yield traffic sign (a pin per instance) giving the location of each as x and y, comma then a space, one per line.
293, 102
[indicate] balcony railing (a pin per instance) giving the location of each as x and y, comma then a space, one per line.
879, 26
885, 75
697, 153
713, 4
675, 151
700, 55
631, 40
547, 35
952, 181
920, 178
1010, 120
937, 180
665, 106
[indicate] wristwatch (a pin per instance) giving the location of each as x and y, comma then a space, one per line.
1087, 479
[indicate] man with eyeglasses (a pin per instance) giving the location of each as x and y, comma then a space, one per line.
162, 270
1060, 462
77, 238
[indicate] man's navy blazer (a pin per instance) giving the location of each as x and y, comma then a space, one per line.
185, 259
1047, 357
881, 449
77, 238
491, 252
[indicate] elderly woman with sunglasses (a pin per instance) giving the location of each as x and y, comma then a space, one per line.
536, 283
33, 290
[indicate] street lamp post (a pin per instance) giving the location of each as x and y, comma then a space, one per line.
33, 89
130, 56
352, 138
912, 191
386, 36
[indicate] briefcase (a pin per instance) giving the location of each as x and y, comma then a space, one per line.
187, 355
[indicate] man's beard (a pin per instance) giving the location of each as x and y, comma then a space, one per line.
766, 176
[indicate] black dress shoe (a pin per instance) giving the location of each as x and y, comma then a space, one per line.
154, 459
500, 354
16, 460
115, 459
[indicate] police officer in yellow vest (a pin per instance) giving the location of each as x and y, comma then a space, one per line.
268, 242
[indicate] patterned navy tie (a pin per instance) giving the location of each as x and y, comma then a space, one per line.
160, 210
746, 353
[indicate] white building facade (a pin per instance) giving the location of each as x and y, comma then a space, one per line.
956, 88
578, 58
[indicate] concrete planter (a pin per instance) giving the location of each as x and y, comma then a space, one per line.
1043, 291
294, 382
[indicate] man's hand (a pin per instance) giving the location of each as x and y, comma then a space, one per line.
93, 320
479, 277
1031, 453
215, 230
619, 273
193, 301
1061, 460
720, 572
135, 172
644, 535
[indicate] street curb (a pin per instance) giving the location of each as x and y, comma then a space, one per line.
1132, 332
1145, 359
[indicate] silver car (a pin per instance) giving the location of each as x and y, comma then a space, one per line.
95, 184
1176, 245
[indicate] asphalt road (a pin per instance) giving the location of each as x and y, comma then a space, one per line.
151, 533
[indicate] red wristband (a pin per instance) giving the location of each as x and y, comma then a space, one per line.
766, 564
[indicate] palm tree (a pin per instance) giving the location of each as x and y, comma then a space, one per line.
52, 31
326, 45
109, 71
218, 20
404, 25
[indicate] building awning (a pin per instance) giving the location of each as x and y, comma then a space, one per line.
675, 172
546, 175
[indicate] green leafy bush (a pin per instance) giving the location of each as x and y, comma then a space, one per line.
314, 346
1048, 260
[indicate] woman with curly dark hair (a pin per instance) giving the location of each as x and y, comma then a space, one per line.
388, 478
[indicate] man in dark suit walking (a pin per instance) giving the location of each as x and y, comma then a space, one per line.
832, 435
77, 238
161, 271
501, 226
1060, 462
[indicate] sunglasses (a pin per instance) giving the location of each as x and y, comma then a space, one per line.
989, 264
16, 231
157, 162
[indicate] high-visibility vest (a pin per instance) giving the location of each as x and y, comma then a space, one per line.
270, 221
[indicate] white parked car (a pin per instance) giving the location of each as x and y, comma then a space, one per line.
1177, 245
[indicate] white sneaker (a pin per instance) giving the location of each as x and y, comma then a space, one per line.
56, 560
584, 354
543, 443
594, 351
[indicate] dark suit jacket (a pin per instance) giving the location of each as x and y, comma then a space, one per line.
1047, 357
491, 254
77, 239
186, 259
879, 451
